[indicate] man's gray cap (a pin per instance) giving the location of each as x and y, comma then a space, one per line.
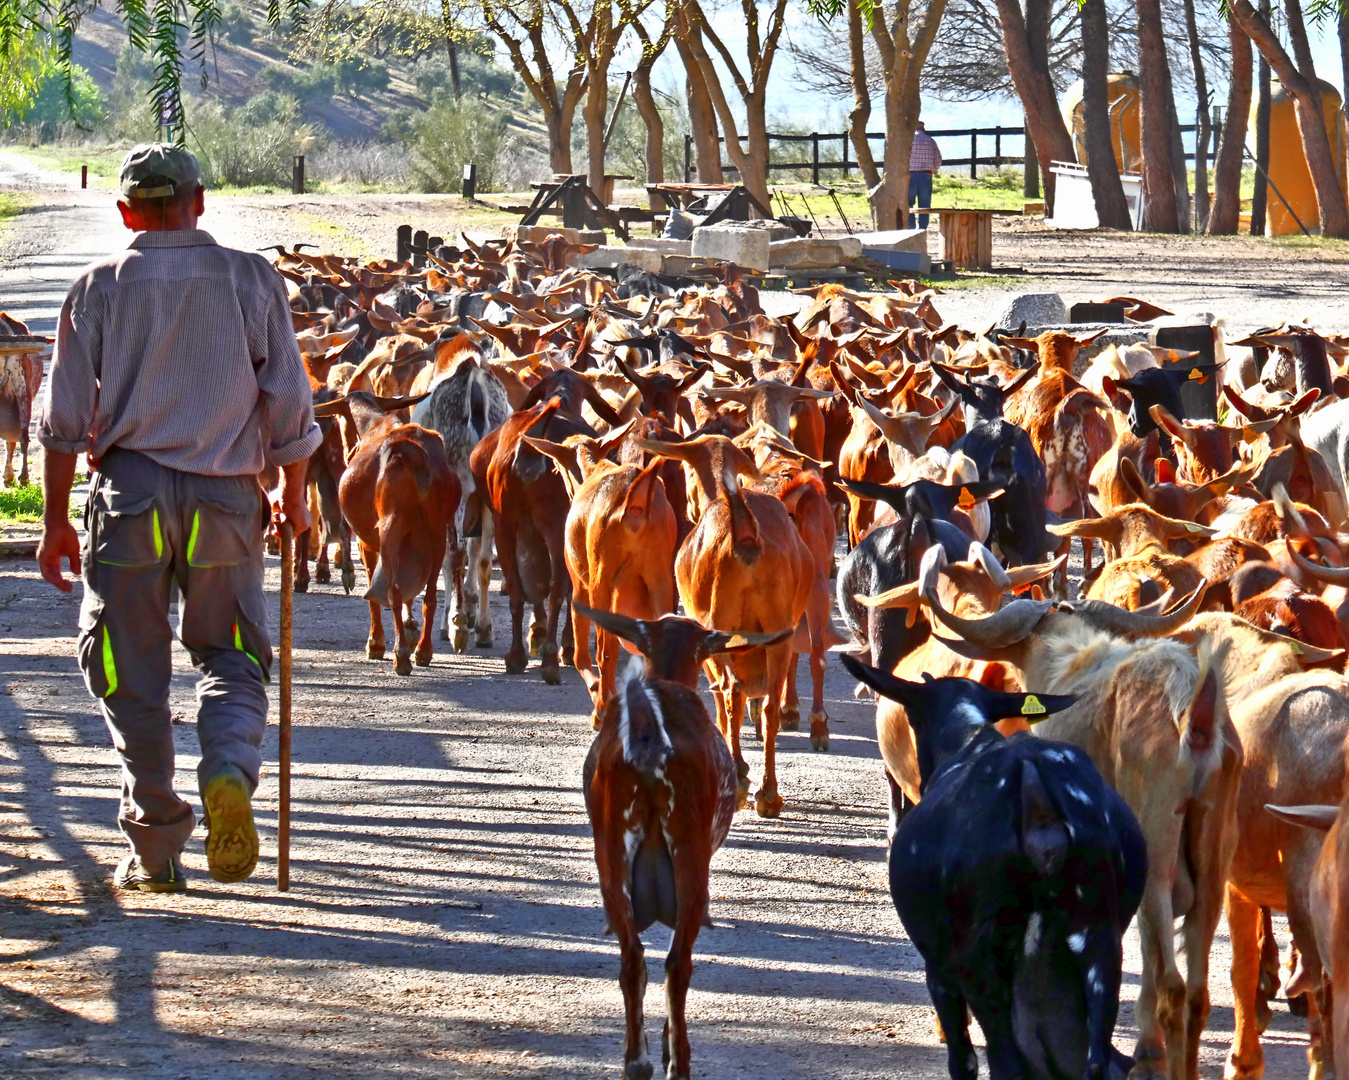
158, 171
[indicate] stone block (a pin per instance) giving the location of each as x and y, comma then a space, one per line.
611, 256
1037, 310
537, 234
896, 240
814, 252
663, 244
744, 246
909, 262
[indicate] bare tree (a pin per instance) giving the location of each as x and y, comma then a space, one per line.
751, 83
1203, 128
521, 23
1226, 212
646, 101
1156, 103
1330, 201
860, 116
1112, 211
702, 114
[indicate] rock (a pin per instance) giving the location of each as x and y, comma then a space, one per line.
611, 256
814, 252
663, 244
537, 234
1037, 310
741, 244
895, 240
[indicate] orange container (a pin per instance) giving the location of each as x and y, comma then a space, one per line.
1125, 123
1288, 170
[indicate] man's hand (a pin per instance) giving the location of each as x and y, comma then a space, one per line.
289, 503
59, 538
59, 541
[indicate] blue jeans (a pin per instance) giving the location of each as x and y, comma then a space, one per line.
920, 194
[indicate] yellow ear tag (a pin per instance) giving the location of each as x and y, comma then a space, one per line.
966, 500
1249, 436
1032, 707
1297, 649
1197, 376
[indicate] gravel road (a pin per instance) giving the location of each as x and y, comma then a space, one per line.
444, 918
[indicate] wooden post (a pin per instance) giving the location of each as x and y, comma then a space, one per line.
844, 140
297, 175
997, 146
283, 740
974, 155
688, 157
419, 239
84, 176
433, 242
403, 250
470, 188
815, 158
967, 238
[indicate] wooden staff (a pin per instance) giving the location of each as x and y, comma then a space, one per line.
283, 802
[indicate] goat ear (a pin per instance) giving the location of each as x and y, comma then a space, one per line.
1101, 528
885, 685
999, 705
1320, 818
1133, 480
723, 641
1021, 380
1164, 472
628, 629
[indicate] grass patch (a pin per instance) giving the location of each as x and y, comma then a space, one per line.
105, 162
21, 503
11, 205
972, 282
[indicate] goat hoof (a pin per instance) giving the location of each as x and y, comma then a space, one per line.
423, 659
742, 793
374, 650
1232, 1070
819, 732
402, 664
1263, 1015
767, 802
460, 639
552, 673
1297, 1005
789, 720
483, 640
596, 718
641, 1069
348, 578
1150, 1064
411, 632
323, 575
516, 662
302, 586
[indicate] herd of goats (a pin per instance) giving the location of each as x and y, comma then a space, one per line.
1162, 737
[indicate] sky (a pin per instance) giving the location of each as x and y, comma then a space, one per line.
813, 111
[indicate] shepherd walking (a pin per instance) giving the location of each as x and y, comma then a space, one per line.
177, 371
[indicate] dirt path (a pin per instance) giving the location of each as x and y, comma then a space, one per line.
444, 919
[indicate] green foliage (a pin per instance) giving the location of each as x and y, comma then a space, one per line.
236, 25
251, 146
627, 146
354, 76
477, 75
450, 135
170, 32
21, 47
60, 98
21, 503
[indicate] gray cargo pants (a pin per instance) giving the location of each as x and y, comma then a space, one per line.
149, 526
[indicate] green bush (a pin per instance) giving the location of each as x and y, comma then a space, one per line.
477, 76
51, 107
21, 503
450, 135
249, 146
236, 25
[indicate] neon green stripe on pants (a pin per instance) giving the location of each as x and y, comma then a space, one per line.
192, 537
109, 664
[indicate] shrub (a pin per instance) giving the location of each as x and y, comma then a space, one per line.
50, 108
236, 25
477, 76
451, 134
370, 164
249, 146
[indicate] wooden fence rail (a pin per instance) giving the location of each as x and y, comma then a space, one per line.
843, 140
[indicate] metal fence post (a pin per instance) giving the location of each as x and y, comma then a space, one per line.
844, 140
688, 157
997, 146
974, 154
297, 175
815, 158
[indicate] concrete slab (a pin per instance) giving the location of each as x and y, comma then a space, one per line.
743, 245
664, 244
808, 251
895, 240
614, 255
537, 234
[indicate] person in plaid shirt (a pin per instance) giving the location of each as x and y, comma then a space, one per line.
924, 162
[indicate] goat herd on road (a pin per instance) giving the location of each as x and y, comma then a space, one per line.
1167, 745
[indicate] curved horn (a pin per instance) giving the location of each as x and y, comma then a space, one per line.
1004, 628
1331, 575
985, 558
1141, 623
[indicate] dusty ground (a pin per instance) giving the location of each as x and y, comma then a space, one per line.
443, 919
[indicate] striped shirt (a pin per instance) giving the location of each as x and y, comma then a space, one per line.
184, 351
924, 157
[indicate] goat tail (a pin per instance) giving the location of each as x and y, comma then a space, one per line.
410, 455
646, 744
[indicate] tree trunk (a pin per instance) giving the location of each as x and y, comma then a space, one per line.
702, 117
1202, 126
559, 141
1112, 210
1160, 209
655, 129
1330, 202
1261, 195
594, 112
1038, 98
1179, 170
1344, 56
1030, 179
890, 201
860, 116
1225, 215
451, 50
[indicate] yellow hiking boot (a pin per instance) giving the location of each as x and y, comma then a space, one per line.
231, 838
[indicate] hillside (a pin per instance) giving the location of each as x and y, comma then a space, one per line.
233, 76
